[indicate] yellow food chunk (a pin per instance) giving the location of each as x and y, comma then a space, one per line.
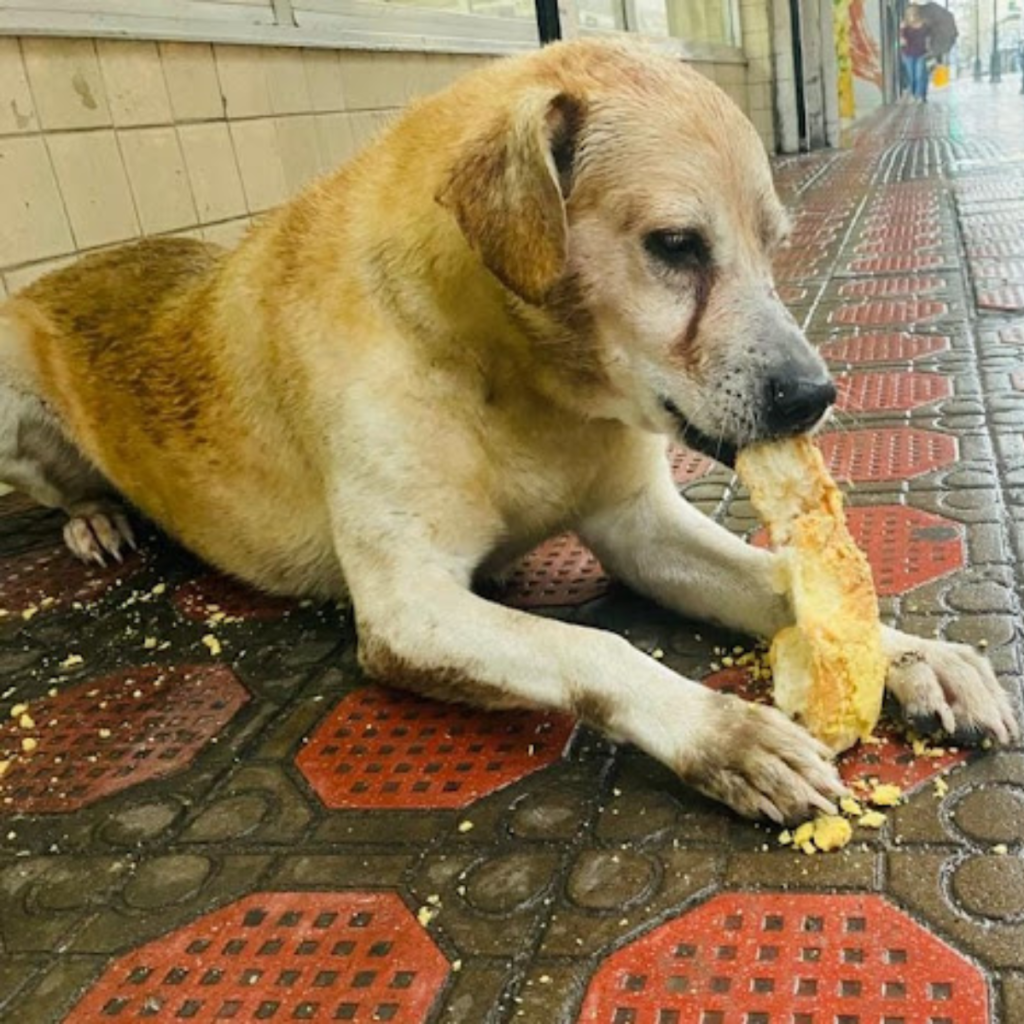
803, 834
850, 806
829, 667
886, 795
872, 819
831, 832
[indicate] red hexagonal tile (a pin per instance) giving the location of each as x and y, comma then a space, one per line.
795, 957
885, 286
688, 465
905, 546
883, 347
103, 735
279, 956
382, 748
53, 578
899, 453
893, 312
891, 392
562, 571
888, 758
217, 594
895, 264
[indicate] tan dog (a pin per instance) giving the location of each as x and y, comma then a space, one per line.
476, 334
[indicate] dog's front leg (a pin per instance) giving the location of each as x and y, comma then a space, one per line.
419, 626
663, 547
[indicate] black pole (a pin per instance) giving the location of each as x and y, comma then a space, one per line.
549, 21
995, 71
977, 41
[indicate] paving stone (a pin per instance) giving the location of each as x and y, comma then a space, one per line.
992, 815
166, 881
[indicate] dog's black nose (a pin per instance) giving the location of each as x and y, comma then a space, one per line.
796, 403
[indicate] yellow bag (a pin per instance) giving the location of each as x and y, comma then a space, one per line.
940, 76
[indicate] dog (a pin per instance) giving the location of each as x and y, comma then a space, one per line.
481, 331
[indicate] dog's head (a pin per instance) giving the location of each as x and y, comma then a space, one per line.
627, 205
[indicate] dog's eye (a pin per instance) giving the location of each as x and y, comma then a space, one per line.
683, 249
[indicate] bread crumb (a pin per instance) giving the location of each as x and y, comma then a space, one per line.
941, 788
803, 834
886, 795
872, 819
72, 660
1001, 849
104, 734
26, 721
425, 915
466, 826
831, 832
4, 765
850, 806
18, 710
212, 644
28, 744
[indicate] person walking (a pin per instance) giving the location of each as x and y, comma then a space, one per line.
914, 33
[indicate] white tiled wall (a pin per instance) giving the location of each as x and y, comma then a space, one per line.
105, 141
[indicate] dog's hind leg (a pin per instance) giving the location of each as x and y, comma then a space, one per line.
38, 459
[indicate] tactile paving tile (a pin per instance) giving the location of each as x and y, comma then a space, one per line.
383, 748
562, 571
900, 453
883, 347
905, 546
888, 758
798, 958
688, 465
279, 956
892, 312
895, 264
216, 594
53, 578
103, 735
890, 392
1007, 297
886, 286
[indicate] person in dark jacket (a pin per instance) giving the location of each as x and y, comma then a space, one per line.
914, 33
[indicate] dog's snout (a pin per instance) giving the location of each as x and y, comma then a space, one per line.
796, 403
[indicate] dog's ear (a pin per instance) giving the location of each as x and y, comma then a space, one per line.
508, 188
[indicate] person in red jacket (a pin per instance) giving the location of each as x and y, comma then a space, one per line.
914, 32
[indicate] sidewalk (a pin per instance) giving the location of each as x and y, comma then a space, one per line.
221, 820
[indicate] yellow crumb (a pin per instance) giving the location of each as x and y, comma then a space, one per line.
872, 819
831, 832
941, 788
786, 837
803, 834
149, 643
1000, 848
29, 612
104, 734
26, 721
28, 744
465, 826
886, 795
72, 660
4, 765
850, 806
212, 644
425, 915
18, 710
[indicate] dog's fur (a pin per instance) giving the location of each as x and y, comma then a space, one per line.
465, 340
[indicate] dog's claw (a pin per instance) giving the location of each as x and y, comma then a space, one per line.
95, 536
949, 686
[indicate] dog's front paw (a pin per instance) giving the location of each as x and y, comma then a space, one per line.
760, 763
948, 686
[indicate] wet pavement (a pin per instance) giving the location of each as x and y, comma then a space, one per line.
209, 814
